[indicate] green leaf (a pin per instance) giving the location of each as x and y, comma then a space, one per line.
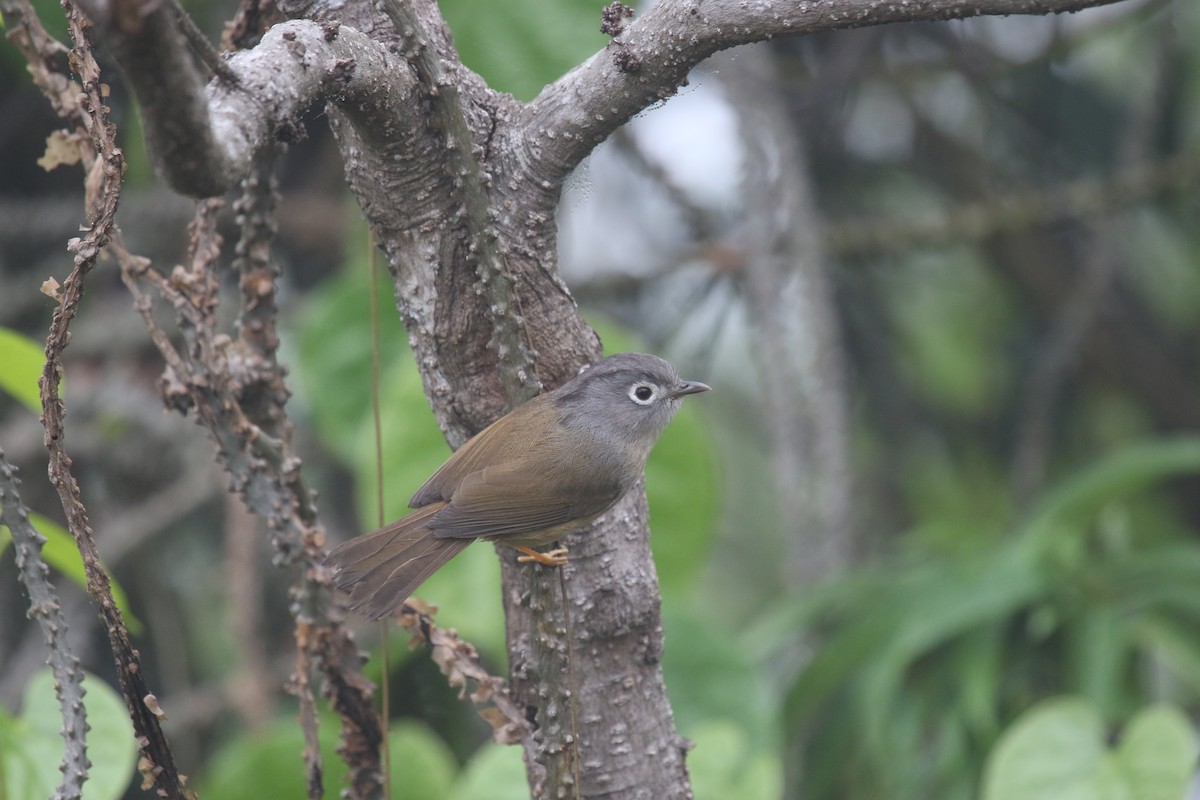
33, 747
1055, 751
906, 613
21, 360
60, 552
682, 487
413, 445
937, 605
723, 765
1158, 753
980, 669
269, 763
1128, 470
519, 46
467, 590
494, 772
1097, 653
960, 497
334, 363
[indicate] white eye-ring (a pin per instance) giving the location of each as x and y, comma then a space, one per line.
643, 393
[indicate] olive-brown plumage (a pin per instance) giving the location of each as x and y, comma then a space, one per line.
537, 473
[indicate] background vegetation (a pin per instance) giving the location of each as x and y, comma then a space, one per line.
1007, 211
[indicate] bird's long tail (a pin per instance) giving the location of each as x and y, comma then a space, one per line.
382, 568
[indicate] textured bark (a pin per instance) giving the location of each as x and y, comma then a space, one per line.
460, 185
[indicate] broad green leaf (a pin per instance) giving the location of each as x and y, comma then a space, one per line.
1097, 644
1055, 751
682, 488
413, 445
334, 364
723, 765
494, 772
909, 611
519, 46
960, 497
60, 552
21, 361
467, 590
269, 764
1157, 753
33, 746
1165, 576
979, 668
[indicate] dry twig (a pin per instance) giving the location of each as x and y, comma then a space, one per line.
459, 662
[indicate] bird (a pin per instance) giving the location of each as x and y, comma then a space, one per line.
546, 468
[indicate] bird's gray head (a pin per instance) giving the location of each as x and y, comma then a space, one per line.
628, 397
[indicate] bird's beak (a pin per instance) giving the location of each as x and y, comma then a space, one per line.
690, 387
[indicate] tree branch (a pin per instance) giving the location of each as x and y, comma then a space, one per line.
203, 137
652, 56
104, 166
44, 607
235, 389
459, 662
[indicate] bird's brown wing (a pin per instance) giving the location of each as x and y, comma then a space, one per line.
522, 429
509, 500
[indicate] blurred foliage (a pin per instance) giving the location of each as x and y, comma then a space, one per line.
1058, 751
521, 45
31, 747
925, 658
263, 764
950, 312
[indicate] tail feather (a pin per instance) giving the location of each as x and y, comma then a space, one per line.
381, 569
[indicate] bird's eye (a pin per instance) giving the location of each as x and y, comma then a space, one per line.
642, 394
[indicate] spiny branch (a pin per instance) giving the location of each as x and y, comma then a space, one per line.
44, 607
235, 390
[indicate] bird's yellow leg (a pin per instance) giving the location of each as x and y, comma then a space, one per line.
552, 558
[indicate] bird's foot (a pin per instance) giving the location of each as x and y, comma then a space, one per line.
553, 558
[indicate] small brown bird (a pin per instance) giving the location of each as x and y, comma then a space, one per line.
544, 469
